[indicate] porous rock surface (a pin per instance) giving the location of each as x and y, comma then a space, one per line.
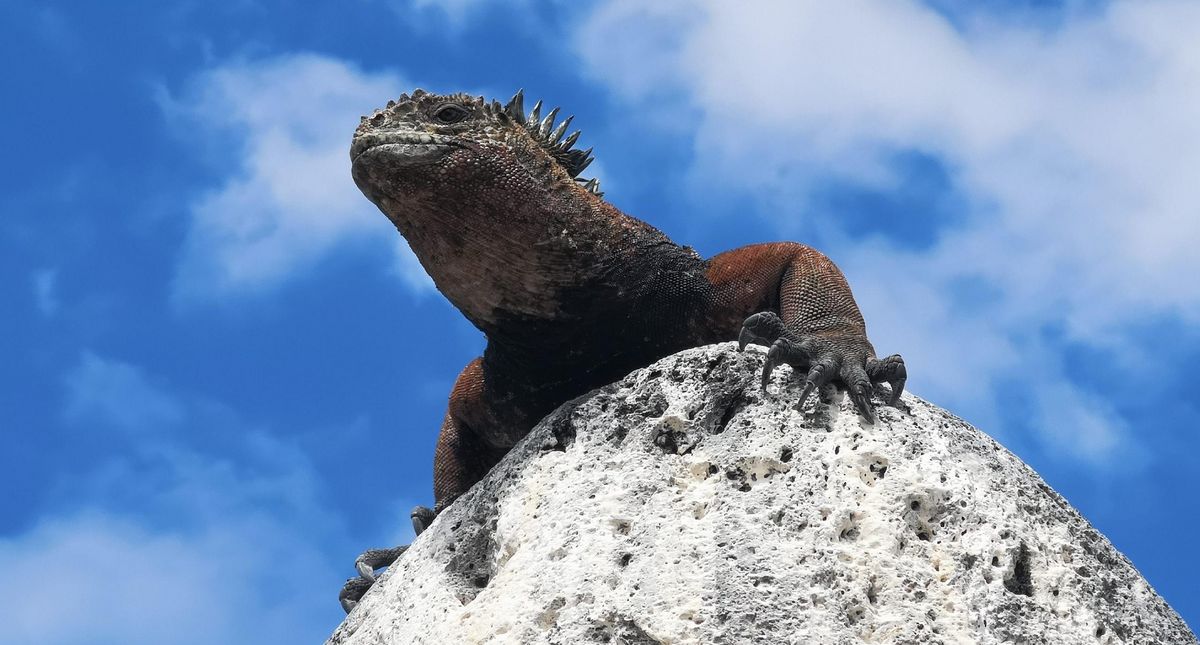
683, 505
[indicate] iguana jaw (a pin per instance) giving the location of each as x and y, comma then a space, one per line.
400, 149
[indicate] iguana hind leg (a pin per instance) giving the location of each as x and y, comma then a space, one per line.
461, 458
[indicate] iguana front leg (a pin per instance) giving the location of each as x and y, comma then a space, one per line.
810, 322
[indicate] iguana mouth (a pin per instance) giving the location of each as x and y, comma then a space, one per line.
406, 148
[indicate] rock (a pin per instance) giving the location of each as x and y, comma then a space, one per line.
683, 505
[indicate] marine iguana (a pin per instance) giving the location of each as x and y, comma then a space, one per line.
570, 292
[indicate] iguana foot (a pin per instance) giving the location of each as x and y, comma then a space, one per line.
824, 359
373, 560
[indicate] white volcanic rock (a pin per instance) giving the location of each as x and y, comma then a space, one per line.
682, 505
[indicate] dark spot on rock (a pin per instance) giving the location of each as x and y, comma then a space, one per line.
668, 440
824, 577
1021, 579
713, 363
624, 559
619, 432
785, 455
657, 405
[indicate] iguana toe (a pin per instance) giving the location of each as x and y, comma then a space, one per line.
422, 517
889, 370
762, 328
858, 385
373, 559
352, 592
819, 375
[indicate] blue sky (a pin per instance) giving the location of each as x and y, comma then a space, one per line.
223, 371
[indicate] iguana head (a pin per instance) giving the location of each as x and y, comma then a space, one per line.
429, 146
488, 197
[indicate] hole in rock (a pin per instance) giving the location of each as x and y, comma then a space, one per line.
1021, 579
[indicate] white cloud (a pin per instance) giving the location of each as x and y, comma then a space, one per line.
289, 200
1074, 145
169, 539
99, 578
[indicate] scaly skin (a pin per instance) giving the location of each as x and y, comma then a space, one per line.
570, 292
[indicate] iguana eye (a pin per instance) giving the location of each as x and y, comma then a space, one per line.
450, 113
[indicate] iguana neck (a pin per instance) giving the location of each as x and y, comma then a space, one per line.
501, 259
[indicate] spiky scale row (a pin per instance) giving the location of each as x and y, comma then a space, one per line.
551, 138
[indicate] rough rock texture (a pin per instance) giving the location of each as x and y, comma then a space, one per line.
682, 505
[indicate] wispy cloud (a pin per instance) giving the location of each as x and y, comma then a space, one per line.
454, 14
1072, 145
288, 200
45, 291
120, 396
